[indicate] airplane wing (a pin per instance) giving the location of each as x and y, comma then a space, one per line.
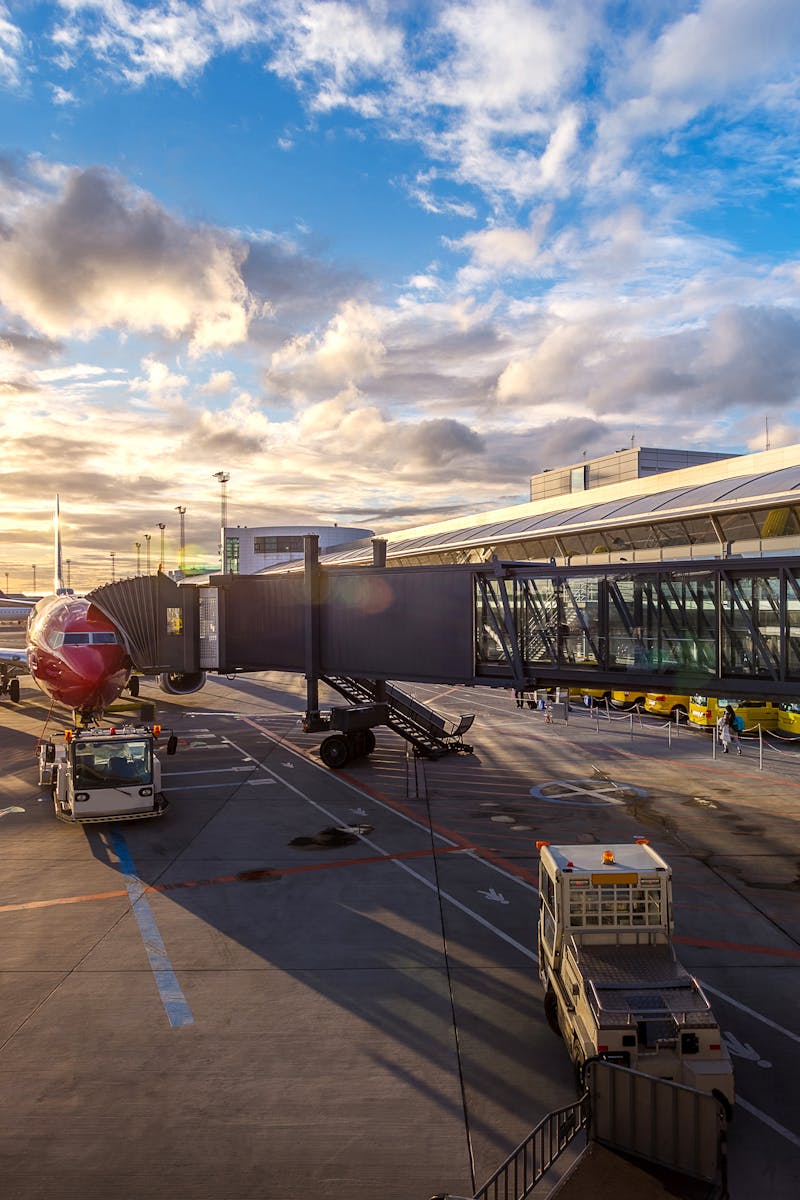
15, 610
13, 661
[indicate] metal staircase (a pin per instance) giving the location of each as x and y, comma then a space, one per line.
431, 734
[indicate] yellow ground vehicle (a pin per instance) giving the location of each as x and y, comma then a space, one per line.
613, 986
627, 699
667, 705
599, 695
705, 711
789, 718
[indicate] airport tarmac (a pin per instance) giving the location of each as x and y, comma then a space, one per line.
286, 1013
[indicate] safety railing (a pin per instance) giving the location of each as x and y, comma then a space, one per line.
518, 1175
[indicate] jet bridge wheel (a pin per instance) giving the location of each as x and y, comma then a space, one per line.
335, 752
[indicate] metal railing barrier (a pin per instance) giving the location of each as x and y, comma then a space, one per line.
518, 1175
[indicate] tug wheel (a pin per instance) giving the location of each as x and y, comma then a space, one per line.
551, 1011
13, 691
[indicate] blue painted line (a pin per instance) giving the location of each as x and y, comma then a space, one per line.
173, 999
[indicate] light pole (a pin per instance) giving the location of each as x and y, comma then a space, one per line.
34, 576
112, 556
180, 509
138, 546
147, 537
162, 527
223, 477
69, 572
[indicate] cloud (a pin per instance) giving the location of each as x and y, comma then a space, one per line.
99, 254
11, 46
218, 384
175, 40
348, 350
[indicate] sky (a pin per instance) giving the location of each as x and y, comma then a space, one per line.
380, 261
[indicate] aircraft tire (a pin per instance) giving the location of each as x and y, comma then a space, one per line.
13, 691
133, 685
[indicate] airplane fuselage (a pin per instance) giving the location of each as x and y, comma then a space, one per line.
75, 654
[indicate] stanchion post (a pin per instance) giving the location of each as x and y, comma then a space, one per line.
760, 749
714, 742
631, 723
669, 734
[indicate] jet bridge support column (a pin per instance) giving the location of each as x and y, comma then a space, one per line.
379, 560
311, 590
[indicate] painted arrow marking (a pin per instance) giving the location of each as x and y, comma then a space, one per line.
5, 811
495, 897
744, 1050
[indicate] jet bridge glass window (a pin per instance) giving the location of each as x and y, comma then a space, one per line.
174, 622
613, 905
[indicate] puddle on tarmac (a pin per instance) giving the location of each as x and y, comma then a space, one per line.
332, 837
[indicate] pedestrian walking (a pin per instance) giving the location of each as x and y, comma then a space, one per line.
724, 732
519, 697
735, 725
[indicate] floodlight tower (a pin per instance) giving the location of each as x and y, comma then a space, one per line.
147, 537
138, 546
180, 509
223, 477
162, 527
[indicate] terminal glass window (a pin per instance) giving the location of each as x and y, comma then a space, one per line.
279, 544
231, 556
613, 905
578, 479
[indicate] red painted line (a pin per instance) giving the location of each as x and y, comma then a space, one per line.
259, 874
713, 944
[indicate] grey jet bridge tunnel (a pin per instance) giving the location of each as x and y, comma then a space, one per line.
718, 627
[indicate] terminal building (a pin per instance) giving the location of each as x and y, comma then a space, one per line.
250, 550
640, 505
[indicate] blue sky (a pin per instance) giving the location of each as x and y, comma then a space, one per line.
381, 261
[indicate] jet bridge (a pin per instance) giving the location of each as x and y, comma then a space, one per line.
717, 627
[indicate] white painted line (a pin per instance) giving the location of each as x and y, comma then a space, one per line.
751, 1012
207, 771
762, 1116
13, 809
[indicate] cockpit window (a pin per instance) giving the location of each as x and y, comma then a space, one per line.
86, 639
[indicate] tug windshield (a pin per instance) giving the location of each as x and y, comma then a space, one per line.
112, 764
